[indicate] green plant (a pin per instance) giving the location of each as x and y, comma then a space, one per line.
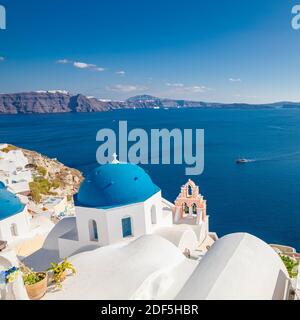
9, 148
55, 184
33, 278
42, 171
59, 269
290, 264
30, 277
40, 186
35, 194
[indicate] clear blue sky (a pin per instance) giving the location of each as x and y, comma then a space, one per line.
222, 50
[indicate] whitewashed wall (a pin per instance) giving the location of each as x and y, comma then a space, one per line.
22, 223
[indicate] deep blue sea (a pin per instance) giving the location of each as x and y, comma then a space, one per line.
261, 197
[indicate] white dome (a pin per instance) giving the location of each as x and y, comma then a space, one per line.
141, 269
237, 267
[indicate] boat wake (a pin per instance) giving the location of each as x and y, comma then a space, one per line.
282, 157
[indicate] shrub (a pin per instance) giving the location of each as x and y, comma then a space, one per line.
59, 269
30, 277
42, 171
56, 184
35, 194
9, 148
39, 187
290, 264
33, 278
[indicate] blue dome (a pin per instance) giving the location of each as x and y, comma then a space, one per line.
114, 185
10, 204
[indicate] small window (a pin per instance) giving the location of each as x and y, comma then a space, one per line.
186, 209
93, 231
194, 209
190, 191
153, 215
14, 230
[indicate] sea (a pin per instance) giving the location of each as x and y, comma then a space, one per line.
261, 197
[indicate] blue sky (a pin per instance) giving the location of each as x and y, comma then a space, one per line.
223, 50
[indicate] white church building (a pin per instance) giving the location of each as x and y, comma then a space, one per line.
119, 202
116, 203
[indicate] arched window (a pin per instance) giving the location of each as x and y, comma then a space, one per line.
190, 191
194, 208
153, 215
14, 230
186, 209
93, 230
126, 227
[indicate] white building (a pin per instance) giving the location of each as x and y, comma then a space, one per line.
55, 205
13, 171
12, 160
118, 202
14, 218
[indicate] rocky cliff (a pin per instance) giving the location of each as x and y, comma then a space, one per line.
62, 102
45, 102
64, 180
34, 103
59, 102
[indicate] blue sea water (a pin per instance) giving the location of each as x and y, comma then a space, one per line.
261, 197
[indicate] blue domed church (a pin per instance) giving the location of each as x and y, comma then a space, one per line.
116, 202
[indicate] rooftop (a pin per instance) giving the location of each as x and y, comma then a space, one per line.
116, 184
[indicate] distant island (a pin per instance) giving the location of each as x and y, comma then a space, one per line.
58, 101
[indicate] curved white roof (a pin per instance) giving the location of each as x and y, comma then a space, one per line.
237, 267
183, 237
142, 269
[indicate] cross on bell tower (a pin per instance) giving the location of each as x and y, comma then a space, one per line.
115, 158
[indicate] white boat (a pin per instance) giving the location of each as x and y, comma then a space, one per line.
242, 160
